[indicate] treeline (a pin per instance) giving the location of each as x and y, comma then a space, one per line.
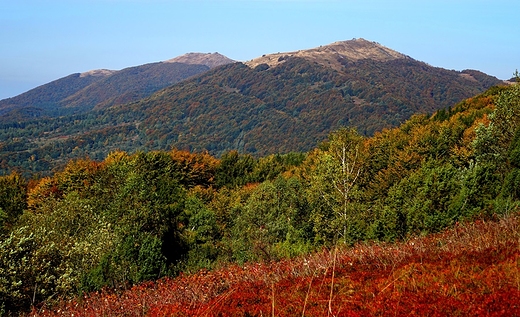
138, 217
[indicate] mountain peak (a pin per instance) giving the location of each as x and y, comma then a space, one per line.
98, 73
208, 59
357, 49
335, 54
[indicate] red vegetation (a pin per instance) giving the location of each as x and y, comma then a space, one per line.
470, 270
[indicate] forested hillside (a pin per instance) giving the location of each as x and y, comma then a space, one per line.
138, 217
288, 106
131, 84
45, 99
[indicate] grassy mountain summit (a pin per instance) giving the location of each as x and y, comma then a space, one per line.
211, 60
335, 55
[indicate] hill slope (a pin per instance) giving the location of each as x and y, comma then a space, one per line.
470, 270
135, 218
131, 84
258, 107
79, 93
295, 103
45, 99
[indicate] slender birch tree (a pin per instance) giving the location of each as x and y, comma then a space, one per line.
334, 180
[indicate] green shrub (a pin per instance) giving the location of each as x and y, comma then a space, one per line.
13, 200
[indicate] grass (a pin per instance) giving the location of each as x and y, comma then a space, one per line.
472, 269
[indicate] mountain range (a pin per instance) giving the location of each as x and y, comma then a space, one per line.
82, 92
275, 103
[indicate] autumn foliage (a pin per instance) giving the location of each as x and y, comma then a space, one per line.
420, 219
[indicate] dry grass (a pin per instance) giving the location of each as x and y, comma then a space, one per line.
333, 54
471, 269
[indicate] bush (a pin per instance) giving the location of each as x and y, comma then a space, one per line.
274, 222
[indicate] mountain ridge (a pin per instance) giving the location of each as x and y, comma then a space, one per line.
289, 106
101, 88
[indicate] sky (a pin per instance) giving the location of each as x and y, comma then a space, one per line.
43, 40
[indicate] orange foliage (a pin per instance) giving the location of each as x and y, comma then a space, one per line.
198, 168
39, 192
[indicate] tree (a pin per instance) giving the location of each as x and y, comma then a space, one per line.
13, 200
493, 141
273, 223
201, 235
334, 178
234, 169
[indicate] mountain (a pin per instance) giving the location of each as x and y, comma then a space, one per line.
131, 84
211, 60
79, 93
46, 98
290, 102
276, 103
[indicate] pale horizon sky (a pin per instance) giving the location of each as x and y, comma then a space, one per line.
44, 40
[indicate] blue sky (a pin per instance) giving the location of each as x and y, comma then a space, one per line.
43, 40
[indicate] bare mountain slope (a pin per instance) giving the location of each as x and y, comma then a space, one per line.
334, 55
211, 60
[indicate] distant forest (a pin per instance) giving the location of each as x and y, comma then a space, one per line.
260, 111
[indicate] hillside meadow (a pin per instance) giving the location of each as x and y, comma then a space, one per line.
419, 219
472, 269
